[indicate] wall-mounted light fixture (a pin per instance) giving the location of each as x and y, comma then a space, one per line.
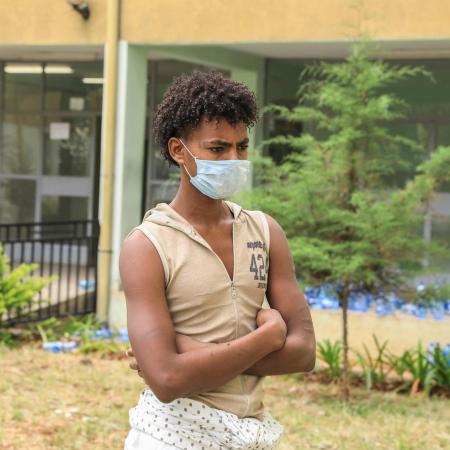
81, 7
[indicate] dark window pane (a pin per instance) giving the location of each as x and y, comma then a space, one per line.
63, 208
70, 156
20, 140
17, 200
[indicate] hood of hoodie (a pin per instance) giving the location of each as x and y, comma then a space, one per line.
165, 215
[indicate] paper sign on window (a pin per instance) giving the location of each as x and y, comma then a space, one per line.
59, 130
76, 103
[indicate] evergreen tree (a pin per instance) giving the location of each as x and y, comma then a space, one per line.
335, 195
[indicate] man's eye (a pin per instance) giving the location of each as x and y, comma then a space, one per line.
243, 148
217, 149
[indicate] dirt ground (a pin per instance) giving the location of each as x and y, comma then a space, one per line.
73, 402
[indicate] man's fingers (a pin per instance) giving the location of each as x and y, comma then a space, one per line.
134, 365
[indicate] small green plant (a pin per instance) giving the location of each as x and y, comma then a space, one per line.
49, 329
53, 329
330, 354
16, 290
7, 339
375, 369
419, 366
102, 346
85, 329
84, 326
439, 360
422, 370
413, 371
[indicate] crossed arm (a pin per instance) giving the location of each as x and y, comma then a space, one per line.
205, 366
299, 351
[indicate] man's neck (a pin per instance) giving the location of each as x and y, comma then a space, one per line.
198, 209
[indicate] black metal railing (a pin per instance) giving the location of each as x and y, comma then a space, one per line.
65, 249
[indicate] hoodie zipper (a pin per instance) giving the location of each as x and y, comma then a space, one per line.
232, 285
233, 288
236, 310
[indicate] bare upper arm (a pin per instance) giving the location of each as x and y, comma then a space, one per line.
283, 292
150, 327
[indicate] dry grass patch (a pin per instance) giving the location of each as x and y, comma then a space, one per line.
73, 402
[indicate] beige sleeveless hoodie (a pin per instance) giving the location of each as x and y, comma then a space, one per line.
204, 302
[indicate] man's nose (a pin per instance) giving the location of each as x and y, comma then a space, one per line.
233, 152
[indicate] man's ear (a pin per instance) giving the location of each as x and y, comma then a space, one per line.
176, 148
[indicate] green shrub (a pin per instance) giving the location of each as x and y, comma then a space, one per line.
17, 291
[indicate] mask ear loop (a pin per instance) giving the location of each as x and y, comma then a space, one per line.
195, 159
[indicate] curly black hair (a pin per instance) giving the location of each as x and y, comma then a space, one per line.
196, 95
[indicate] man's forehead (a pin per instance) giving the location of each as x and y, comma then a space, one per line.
220, 127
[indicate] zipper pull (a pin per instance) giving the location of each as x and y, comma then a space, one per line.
233, 290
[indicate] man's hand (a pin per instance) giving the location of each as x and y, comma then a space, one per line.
133, 364
273, 321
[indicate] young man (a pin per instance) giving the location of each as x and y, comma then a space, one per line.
213, 303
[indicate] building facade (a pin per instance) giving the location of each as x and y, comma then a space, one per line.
54, 78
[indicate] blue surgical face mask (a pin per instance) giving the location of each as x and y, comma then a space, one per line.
219, 179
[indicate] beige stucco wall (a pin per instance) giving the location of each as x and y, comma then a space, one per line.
35, 22
282, 20
196, 21
401, 330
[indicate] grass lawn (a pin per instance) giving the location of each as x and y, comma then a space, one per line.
69, 401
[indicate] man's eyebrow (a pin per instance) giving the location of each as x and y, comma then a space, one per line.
222, 142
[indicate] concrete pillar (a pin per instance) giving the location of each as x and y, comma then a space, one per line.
128, 183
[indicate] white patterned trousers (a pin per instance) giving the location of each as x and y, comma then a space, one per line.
191, 425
